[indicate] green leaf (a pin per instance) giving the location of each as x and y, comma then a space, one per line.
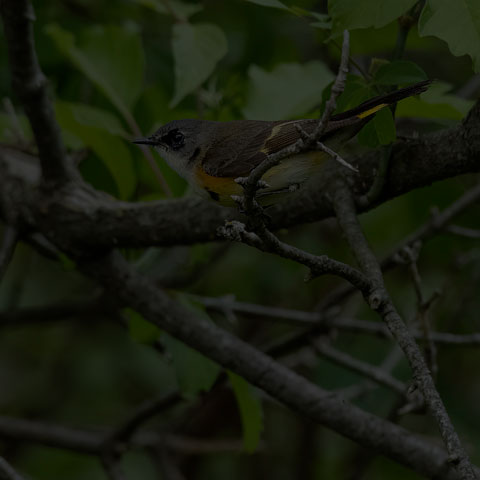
195, 372
385, 126
351, 14
180, 10
139, 329
457, 23
323, 21
379, 131
96, 117
250, 411
109, 148
196, 51
399, 72
269, 3
356, 91
290, 90
111, 57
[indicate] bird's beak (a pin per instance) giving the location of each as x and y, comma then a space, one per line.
145, 141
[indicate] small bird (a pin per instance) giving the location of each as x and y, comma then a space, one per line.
211, 155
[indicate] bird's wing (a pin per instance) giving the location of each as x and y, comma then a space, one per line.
240, 146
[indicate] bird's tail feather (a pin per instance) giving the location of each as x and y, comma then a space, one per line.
375, 104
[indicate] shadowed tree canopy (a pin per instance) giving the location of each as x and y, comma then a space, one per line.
148, 333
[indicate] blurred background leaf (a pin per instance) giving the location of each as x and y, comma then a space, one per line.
111, 57
196, 50
458, 23
250, 410
298, 86
351, 14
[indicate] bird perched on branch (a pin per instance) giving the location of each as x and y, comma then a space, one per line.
211, 156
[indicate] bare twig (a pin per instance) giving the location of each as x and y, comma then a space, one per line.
112, 467
369, 371
87, 310
167, 465
30, 85
7, 472
91, 441
123, 433
423, 307
379, 301
266, 241
464, 232
253, 182
7, 249
283, 384
337, 88
296, 317
436, 224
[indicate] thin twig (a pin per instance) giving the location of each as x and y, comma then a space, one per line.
423, 308
166, 464
464, 232
369, 371
115, 441
337, 88
7, 472
87, 310
380, 301
260, 237
253, 182
151, 407
112, 467
90, 441
157, 307
266, 241
436, 224
7, 249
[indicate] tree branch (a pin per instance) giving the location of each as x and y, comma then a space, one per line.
7, 472
380, 301
107, 223
369, 371
283, 384
7, 249
30, 85
90, 442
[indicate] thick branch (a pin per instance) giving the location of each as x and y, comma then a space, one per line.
107, 223
260, 370
30, 85
379, 300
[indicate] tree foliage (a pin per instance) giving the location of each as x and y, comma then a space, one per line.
78, 347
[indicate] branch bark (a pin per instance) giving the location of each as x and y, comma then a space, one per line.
380, 301
260, 370
30, 85
105, 223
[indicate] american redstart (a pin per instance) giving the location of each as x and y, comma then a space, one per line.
211, 155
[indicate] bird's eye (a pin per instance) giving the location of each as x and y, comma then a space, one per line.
174, 139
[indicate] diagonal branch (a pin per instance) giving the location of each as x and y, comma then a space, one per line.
380, 301
7, 248
7, 472
283, 384
30, 85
